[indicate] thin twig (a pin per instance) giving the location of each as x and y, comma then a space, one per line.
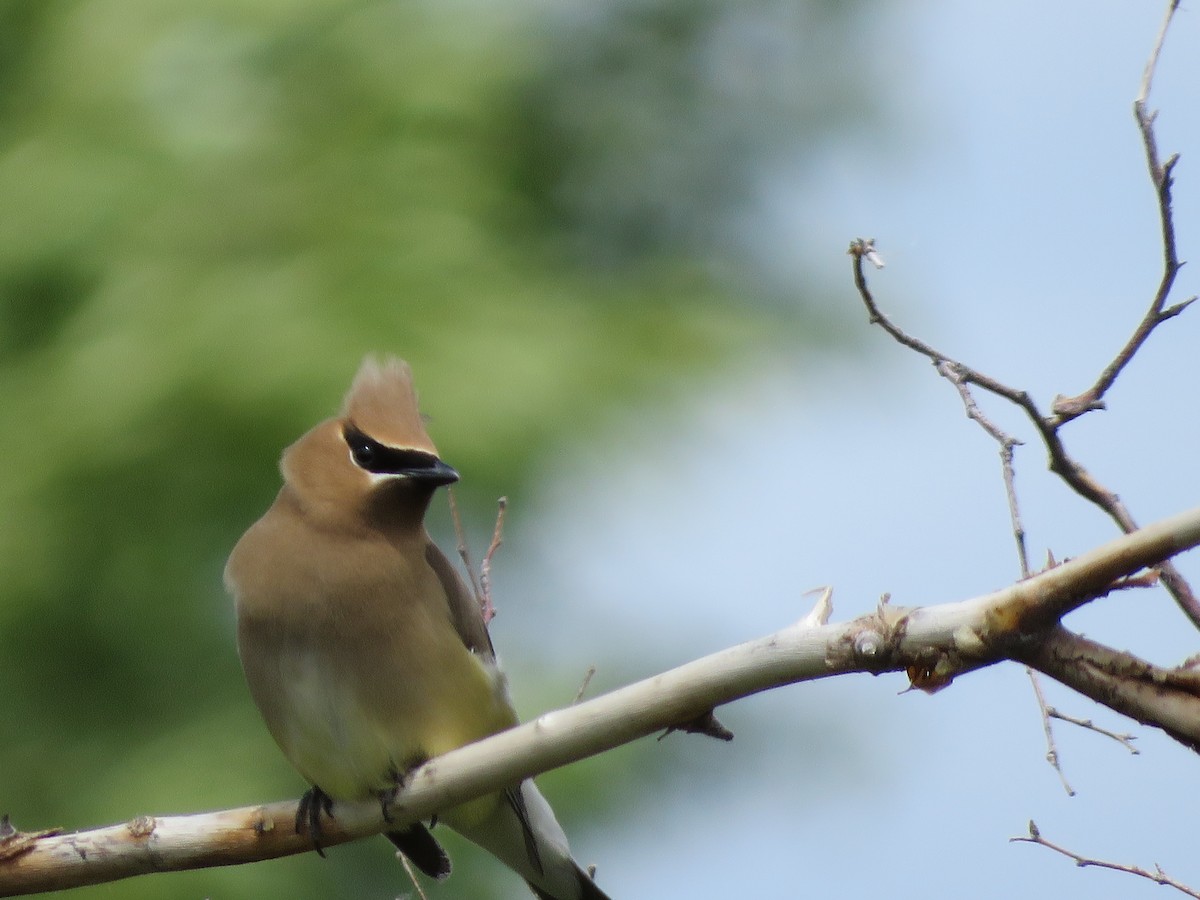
1158, 876
587, 679
485, 568
952, 372
1051, 749
863, 248
1152, 62
1060, 461
1066, 409
1123, 738
412, 876
463, 551
1120, 681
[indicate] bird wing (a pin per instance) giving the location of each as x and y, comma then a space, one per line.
467, 617
464, 608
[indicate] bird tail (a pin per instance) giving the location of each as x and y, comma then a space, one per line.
422, 849
521, 832
586, 887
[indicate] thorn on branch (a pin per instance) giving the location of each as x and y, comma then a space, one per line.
1172, 311
822, 609
1148, 579
706, 723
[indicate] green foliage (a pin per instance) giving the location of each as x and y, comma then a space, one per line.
209, 211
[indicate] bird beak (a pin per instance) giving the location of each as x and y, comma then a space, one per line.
435, 475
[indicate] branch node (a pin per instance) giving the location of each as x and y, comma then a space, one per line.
142, 826
1067, 408
869, 646
864, 248
14, 842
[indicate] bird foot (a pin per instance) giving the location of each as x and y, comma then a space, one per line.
308, 815
399, 778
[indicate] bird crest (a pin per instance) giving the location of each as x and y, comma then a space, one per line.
382, 403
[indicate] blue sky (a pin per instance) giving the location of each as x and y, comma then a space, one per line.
1008, 194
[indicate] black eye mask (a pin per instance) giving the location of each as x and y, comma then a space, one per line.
381, 459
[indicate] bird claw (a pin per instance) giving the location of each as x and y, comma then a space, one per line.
308, 815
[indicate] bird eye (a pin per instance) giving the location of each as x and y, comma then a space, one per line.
364, 455
364, 450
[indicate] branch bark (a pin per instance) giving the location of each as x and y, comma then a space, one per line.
933, 643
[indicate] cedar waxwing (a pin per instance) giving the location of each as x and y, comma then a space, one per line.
364, 650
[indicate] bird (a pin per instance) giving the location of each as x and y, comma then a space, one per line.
363, 648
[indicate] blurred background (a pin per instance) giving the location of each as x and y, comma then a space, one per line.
610, 238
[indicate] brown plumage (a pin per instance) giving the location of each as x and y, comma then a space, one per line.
362, 647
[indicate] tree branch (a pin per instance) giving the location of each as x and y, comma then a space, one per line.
1018, 622
1153, 695
1066, 409
1158, 876
1060, 461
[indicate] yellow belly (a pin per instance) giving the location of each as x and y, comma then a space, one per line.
352, 738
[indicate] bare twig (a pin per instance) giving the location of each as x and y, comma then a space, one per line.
464, 551
1060, 461
1123, 738
862, 248
1051, 749
485, 568
1158, 876
1145, 692
481, 581
412, 875
587, 679
1066, 409
952, 372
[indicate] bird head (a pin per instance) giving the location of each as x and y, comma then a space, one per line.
375, 457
